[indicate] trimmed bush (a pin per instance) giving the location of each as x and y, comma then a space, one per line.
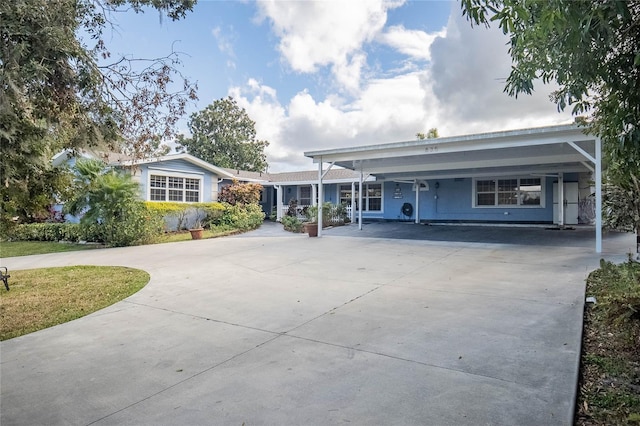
292, 224
242, 217
71, 232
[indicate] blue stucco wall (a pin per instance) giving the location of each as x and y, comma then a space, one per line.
451, 201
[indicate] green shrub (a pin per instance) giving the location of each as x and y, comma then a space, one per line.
71, 232
186, 214
292, 224
214, 212
135, 224
242, 217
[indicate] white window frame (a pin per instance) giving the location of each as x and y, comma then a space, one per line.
167, 175
299, 195
365, 197
474, 197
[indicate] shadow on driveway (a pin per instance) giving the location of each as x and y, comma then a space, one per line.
579, 236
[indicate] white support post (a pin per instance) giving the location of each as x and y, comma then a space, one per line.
561, 200
598, 167
314, 194
320, 197
353, 203
417, 184
278, 202
360, 191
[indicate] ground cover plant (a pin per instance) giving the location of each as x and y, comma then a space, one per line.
42, 298
609, 388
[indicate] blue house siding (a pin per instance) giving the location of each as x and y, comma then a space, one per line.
452, 200
447, 200
178, 166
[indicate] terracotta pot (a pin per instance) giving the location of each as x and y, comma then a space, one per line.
196, 234
312, 229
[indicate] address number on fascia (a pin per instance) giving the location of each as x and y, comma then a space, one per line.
431, 149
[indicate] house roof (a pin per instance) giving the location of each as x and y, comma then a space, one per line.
305, 177
563, 148
111, 158
181, 156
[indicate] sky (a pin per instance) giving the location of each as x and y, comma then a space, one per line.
329, 74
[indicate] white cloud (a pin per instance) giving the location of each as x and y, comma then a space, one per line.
315, 34
389, 110
413, 43
225, 44
458, 89
467, 75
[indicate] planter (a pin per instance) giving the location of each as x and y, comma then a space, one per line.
312, 229
196, 234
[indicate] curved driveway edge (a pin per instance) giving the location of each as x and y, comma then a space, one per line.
299, 330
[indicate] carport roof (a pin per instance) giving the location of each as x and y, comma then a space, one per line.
563, 148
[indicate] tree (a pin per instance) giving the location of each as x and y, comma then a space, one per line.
431, 134
108, 199
590, 49
60, 90
224, 135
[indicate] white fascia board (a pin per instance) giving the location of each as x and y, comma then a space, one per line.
510, 139
183, 156
487, 173
471, 164
324, 181
553, 134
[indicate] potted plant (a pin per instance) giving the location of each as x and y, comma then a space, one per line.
311, 227
197, 230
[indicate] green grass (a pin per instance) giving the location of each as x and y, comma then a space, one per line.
609, 389
42, 298
27, 248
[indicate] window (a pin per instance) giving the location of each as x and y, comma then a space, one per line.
508, 192
345, 194
304, 196
371, 197
174, 188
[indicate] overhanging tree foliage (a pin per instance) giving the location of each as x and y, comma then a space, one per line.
59, 90
224, 135
591, 49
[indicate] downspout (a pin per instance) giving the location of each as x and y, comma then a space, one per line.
360, 191
353, 204
314, 194
417, 184
598, 167
561, 200
278, 202
320, 197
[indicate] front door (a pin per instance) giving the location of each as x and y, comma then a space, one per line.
571, 211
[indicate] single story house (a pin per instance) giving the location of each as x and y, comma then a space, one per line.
546, 175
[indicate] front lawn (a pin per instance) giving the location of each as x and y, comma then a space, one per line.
42, 298
27, 248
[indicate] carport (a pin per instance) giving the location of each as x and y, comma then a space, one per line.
546, 151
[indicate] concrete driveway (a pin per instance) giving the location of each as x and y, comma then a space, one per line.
274, 328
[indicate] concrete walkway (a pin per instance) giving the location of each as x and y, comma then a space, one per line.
286, 329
